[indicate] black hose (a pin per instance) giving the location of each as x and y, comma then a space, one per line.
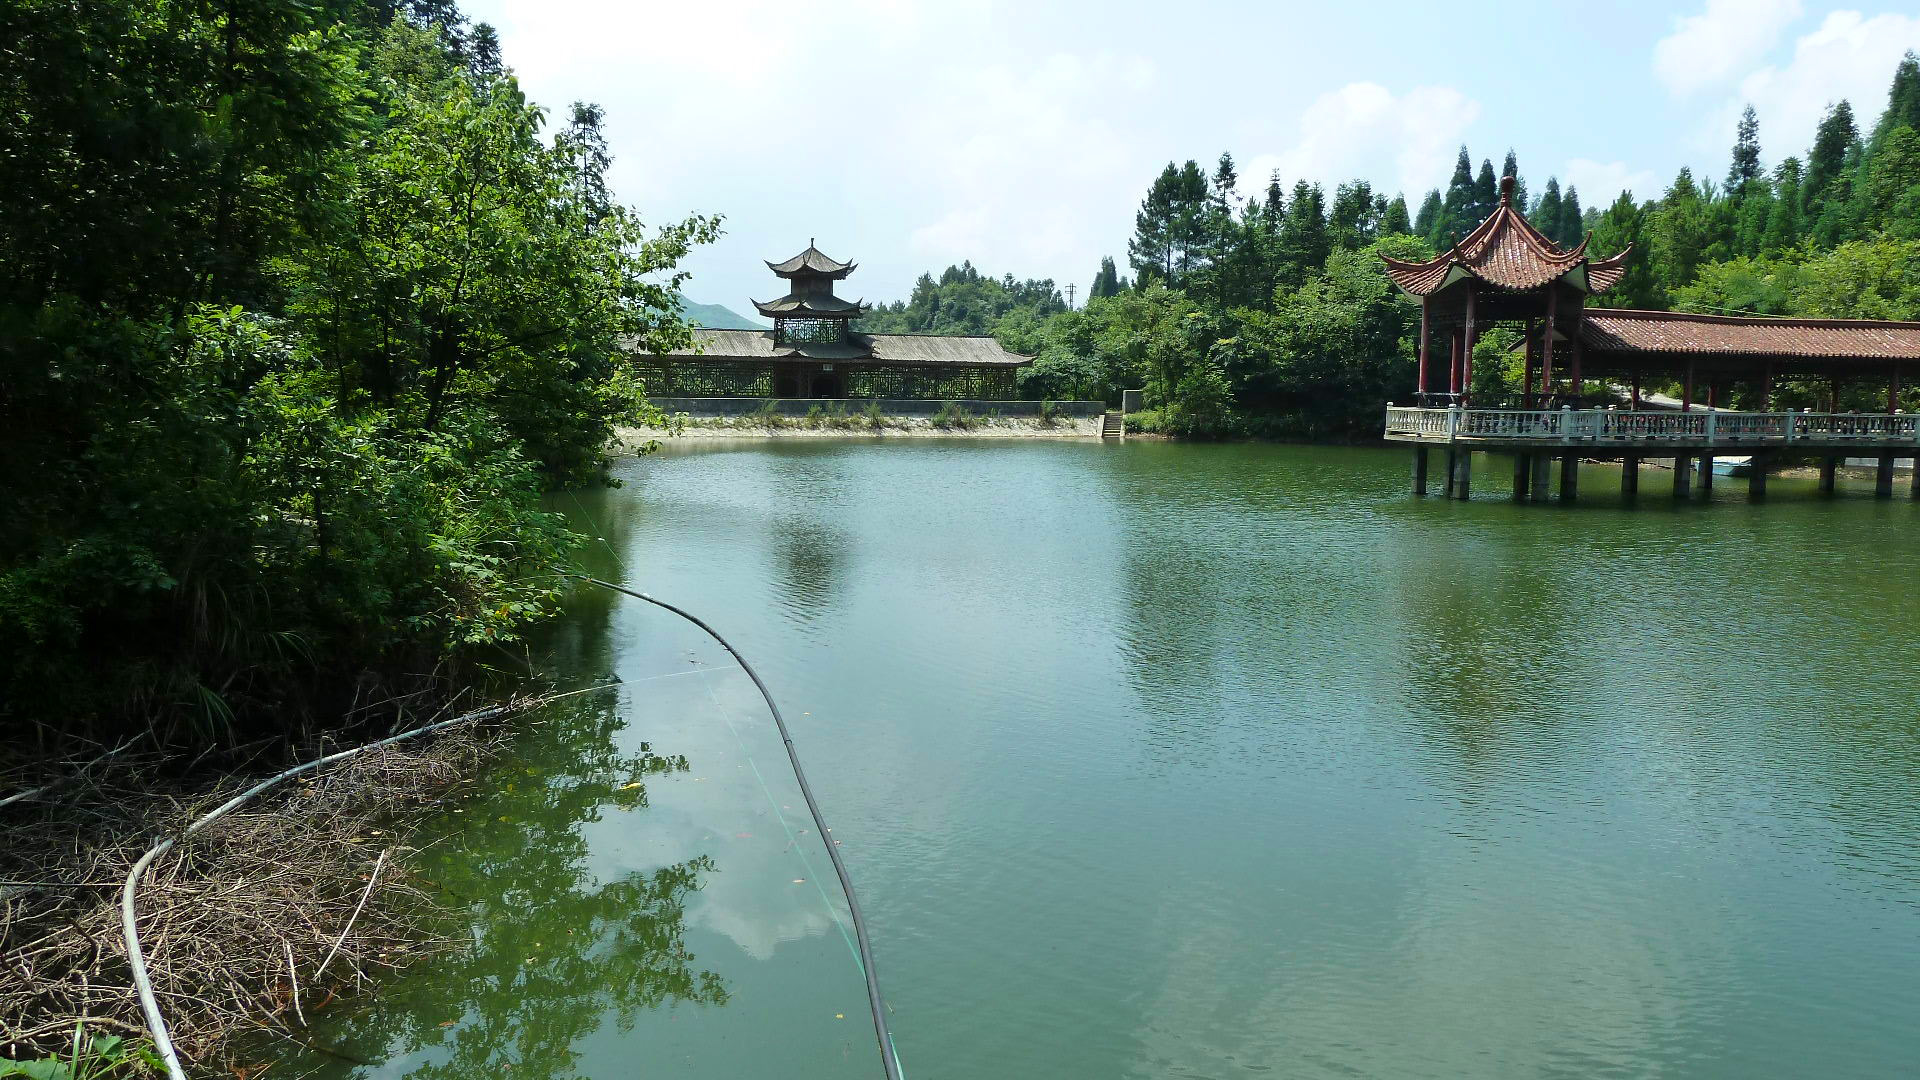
889, 1059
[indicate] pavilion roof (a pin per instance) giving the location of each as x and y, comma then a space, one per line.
823, 305
812, 261
1618, 330
1507, 252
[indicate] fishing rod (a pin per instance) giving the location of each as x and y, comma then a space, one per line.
889, 1057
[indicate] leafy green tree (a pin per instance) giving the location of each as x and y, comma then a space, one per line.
1353, 221
1105, 283
1784, 222
1892, 178
1903, 99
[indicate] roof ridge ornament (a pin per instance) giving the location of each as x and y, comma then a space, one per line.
1506, 191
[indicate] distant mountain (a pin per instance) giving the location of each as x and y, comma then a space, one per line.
716, 317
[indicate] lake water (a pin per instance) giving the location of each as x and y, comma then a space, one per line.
1159, 760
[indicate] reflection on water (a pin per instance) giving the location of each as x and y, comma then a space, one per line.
1163, 760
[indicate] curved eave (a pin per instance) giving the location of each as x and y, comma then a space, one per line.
788, 306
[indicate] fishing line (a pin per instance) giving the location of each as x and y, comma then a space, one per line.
889, 1056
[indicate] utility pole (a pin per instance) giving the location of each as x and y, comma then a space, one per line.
1069, 294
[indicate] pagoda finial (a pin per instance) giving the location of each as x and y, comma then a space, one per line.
1506, 191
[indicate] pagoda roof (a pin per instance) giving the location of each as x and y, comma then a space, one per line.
1507, 252
812, 261
826, 305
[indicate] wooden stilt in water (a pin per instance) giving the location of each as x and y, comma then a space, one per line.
1706, 476
1542, 485
1459, 473
1829, 465
1522, 475
1630, 476
1883, 477
1757, 479
1419, 470
1683, 476
1569, 477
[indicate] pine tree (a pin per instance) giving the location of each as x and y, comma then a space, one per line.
1512, 168
1457, 207
1427, 222
1197, 229
1836, 146
1151, 249
1784, 222
1620, 227
585, 142
1226, 181
1572, 224
1903, 99
1893, 172
1276, 208
1354, 219
1106, 282
1303, 244
1546, 216
1395, 222
1746, 154
1486, 195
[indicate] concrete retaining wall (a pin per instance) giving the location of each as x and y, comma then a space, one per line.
740, 406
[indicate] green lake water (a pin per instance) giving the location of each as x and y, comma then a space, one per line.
1161, 760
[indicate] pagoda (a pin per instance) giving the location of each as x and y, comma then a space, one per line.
1505, 271
810, 314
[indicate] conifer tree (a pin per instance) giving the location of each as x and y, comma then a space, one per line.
585, 143
1303, 244
1903, 99
1458, 205
1354, 219
1276, 208
1427, 222
1486, 195
483, 52
1546, 216
1512, 168
1746, 154
1893, 172
1784, 221
1572, 220
1151, 249
1836, 145
1106, 282
1395, 222
1620, 227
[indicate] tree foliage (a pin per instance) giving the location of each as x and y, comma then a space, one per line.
300, 315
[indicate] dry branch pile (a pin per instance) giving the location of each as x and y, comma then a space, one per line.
256, 923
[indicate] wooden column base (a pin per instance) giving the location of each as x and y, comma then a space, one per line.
1569, 477
1757, 479
1682, 477
1522, 476
1828, 466
1420, 470
1630, 477
1883, 477
1706, 475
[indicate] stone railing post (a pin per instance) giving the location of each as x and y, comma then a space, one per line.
1710, 427
1566, 423
1453, 422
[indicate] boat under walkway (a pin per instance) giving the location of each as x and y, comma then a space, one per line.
1537, 436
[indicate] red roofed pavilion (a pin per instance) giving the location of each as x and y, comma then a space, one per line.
1506, 271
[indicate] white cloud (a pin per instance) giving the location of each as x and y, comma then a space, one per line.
1849, 56
1363, 129
1601, 182
1725, 39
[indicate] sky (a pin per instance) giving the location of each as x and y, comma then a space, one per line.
1022, 135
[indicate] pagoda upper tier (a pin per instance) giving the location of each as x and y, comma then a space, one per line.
811, 275
1507, 252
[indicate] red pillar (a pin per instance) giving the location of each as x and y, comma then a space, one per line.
1546, 344
1423, 345
1893, 391
1766, 390
1466, 361
1453, 369
1686, 390
1526, 394
1636, 389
